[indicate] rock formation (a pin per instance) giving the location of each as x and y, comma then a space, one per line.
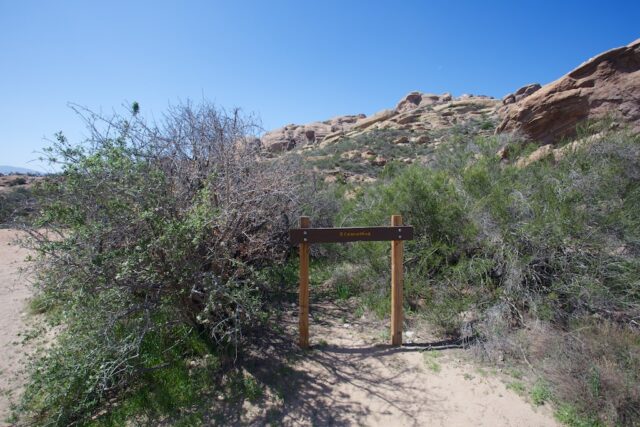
291, 136
607, 85
417, 111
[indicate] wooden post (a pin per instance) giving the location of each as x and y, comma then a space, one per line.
304, 288
396, 285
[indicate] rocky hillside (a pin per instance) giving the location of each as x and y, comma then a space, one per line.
417, 113
607, 85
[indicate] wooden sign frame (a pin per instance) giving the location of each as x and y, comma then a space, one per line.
396, 233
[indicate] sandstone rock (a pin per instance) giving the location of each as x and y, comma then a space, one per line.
416, 112
607, 85
557, 153
360, 179
367, 154
401, 140
410, 101
521, 93
422, 139
413, 100
378, 117
350, 155
379, 161
541, 153
290, 136
503, 153
406, 118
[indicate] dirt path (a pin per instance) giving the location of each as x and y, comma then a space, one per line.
352, 378
14, 293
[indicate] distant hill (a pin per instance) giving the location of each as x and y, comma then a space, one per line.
4, 169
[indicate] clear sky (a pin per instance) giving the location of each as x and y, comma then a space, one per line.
286, 61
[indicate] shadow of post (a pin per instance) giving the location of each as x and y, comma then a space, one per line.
311, 398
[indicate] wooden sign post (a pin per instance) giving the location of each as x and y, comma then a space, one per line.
303, 296
397, 248
396, 233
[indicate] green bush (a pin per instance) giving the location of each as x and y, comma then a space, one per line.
156, 234
499, 246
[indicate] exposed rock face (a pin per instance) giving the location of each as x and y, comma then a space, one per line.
417, 111
521, 93
414, 100
556, 154
608, 84
292, 135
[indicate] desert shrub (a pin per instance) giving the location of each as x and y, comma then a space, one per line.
500, 247
17, 181
17, 206
595, 369
155, 234
428, 200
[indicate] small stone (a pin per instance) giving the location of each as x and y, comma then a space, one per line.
379, 161
401, 140
422, 139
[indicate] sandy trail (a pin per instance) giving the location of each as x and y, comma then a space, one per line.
14, 293
351, 377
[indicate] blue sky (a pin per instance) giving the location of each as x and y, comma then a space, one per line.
286, 61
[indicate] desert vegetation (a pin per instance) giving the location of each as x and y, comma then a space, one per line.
162, 256
537, 265
17, 201
155, 248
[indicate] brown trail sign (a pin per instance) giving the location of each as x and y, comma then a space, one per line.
396, 233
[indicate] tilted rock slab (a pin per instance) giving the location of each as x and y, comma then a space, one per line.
607, 85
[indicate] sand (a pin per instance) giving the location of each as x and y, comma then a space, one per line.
14, 294
352, 377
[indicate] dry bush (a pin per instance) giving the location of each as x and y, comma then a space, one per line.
595, 368
161, 230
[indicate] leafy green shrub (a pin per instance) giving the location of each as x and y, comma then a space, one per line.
155, 233
540, 393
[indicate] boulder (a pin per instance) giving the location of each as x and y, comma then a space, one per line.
521, 93
557, 154
378, 117
368, 154
422, 139
401, 140
379, 161
413, 100
409, 102
503, 153
607, 85
539, 154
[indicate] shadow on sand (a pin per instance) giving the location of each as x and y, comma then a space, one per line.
311, 398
